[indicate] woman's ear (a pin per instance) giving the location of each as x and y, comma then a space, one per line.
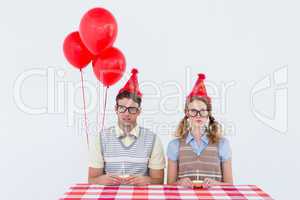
207, 124
189, 123
186, 114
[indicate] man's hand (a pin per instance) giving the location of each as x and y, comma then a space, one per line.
138, 180
108, 179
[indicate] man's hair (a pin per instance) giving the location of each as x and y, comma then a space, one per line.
134, 97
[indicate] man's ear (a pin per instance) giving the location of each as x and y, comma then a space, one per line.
140, 110
116, 108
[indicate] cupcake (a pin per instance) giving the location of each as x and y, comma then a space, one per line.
124, 176
197, 183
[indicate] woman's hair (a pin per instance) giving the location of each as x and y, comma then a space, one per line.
213, 129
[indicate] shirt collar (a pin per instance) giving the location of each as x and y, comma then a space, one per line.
134, 132
190, 137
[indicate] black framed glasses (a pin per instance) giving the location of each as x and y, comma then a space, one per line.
131, 110
195, 112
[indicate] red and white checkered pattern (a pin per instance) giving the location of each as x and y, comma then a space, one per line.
93, 192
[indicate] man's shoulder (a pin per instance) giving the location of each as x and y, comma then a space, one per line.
151, 135
108, 131
147, 131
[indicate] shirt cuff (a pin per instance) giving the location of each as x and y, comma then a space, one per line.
156, 166
96, 165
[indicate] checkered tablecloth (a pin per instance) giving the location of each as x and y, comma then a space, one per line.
93, 192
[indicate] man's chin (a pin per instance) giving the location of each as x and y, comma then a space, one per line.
127, 123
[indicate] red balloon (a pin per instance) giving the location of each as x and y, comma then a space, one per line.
98, 30
75, 51
109, 66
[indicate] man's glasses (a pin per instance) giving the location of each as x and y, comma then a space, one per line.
131, 110
201, 113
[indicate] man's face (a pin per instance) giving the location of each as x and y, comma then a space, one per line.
127, 111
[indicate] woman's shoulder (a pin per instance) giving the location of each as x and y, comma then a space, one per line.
223, 141
224, 149
173, 149
174, 141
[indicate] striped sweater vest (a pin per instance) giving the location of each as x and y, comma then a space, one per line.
131, 160
206, 165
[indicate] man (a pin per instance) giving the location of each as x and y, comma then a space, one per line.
127, 153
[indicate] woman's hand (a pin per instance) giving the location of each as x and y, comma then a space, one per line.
209, 181
186, 182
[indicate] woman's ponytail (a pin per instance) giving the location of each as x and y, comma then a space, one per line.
214, 130
182, 127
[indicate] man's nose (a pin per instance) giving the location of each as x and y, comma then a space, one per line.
126, 112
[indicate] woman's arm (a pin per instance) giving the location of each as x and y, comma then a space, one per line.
172, 171
227, 171
172, 175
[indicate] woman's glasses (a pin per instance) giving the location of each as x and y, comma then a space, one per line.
195, 112
131, 110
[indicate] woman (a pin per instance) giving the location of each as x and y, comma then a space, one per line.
199, 153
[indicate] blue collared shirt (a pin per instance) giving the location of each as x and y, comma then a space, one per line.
224, 147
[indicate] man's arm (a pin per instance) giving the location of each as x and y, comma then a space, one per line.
157, 163
157, 176
94, 174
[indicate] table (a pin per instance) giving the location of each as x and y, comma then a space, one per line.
92, 192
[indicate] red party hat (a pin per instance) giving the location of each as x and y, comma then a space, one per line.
132, 85
199, 89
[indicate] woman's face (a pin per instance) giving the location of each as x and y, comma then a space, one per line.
197, 113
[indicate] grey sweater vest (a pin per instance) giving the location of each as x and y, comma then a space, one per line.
131, 160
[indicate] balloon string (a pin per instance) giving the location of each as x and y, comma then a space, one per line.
84, 108
104, 109
99, 111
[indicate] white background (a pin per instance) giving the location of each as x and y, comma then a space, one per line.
239, 42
